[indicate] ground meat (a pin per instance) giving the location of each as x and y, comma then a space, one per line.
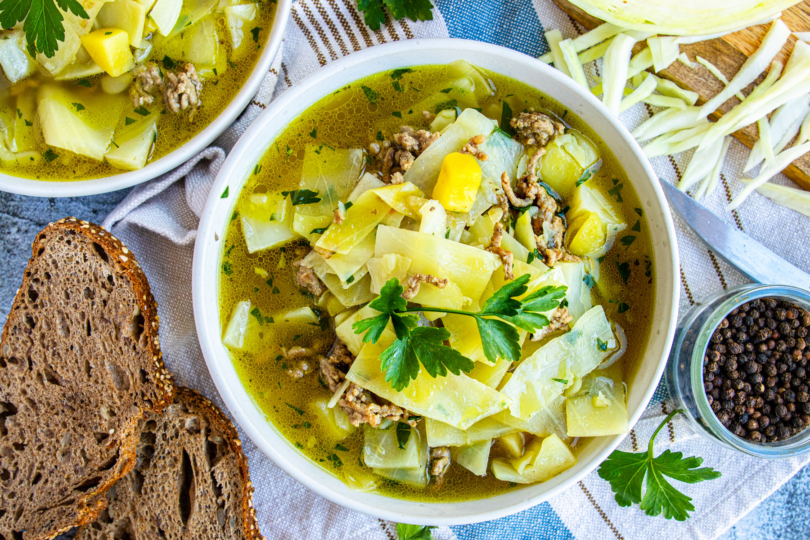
308, 280
415, 281
334, 368
507, 258
514, 200
473, 147
182, 91
414, 141
301, 368
397, 178
535, 129
439, 463
405, 159
559, 322
395, 156
551, 246
338, 219
428, 116
148, 83
361, 407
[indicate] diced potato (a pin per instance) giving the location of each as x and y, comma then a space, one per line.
474, 457
16, 63
133, 145
109, 48
513, 443
381, 447
332, 174
455, 399
304, 225
549, 458
63, 128
441, 434
524, 233
367, 181
425, 170
587, 234
400, 198
261, 234
468, 267
587, 200
559, 170
434, 219
127, 15
327, 414
361, 219
575, 353
238, 17
234, 337
598, 409
458, 182
165, 14
384, 268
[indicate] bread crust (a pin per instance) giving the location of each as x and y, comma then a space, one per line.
88, 507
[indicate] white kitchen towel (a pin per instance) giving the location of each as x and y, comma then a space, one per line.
158, 221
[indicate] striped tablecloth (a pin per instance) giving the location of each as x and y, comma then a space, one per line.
158, 221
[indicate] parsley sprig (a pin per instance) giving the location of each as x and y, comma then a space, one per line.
414, 532
374, 10
626, 472
44, 23
497, 323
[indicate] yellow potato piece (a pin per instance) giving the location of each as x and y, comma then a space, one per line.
458, 182
587, 236
560, 170
109, 48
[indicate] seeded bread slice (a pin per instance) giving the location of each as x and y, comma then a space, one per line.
80, 364
191, 480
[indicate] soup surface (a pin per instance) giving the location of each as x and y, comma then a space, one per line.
127, 86
270, 325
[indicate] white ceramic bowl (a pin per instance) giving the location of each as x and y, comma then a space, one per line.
38, 188
272, 122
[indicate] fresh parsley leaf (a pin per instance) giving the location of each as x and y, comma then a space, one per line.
143, 111
296, 409
302, 196
397, 114
623, 307
79, 106
627, 240
168, 62
423, 345
530, 314
314, 133
255, 31
50, 155
380, 136
128, 121
390, 303
374, 14
637, 226
28, 124
403, 434
626, 473
624, 271
616, 191
44, 23
414, 532
225, 193
227, 267
84, 82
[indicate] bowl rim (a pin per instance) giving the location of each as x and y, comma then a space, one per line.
96, 186
210, 227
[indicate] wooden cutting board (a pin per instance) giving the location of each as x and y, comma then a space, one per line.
728, 54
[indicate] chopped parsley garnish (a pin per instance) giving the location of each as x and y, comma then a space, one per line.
397, 74
584, 178
168, 62
506, 116
444, 105
626, 473
255, 31
350, 280
415, 345
627, 240
397, 86
225, 193
335, 460
624, 271
561, 381
319, 230
371, 94
296, 409
227, 267
257, 169
615, 191
446, 90
84, 82
380, 136
637, 226
623, 307
601, 345
143, 111
128, 121
341, 448
79, 106
50, 155
589, 281
302, 196
397, 114
314, 133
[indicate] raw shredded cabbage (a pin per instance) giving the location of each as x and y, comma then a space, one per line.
769, 171
710, 182
665, 51
641, 93
589, 39
685, 17
795, 199
616, 65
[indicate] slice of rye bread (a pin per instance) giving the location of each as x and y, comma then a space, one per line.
191, 480
80, 364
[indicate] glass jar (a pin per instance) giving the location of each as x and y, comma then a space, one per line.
685, 368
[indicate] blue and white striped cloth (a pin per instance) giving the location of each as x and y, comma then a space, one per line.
158, 221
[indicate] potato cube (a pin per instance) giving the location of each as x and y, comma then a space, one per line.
587, 234
458, 182
109, 48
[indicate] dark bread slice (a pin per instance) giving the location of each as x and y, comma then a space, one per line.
80, 364
191, 480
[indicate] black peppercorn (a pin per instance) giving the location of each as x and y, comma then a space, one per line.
755, 436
